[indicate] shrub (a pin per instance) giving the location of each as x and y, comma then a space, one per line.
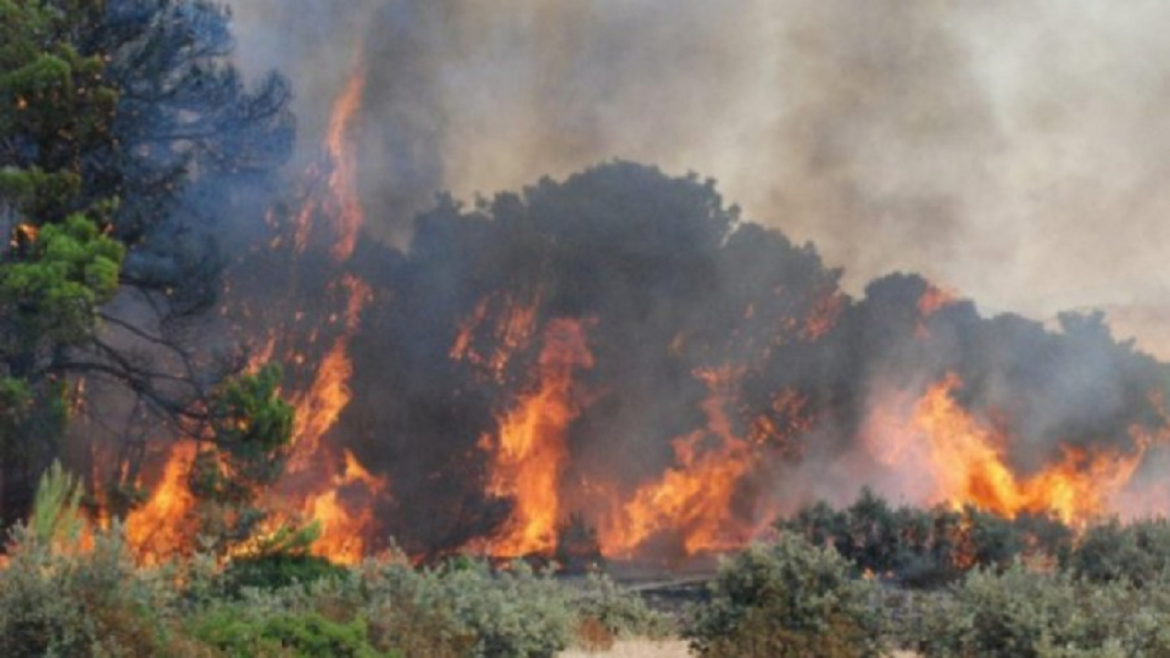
926, 547
787, 599
621, 613
1029, 614
1138, 553
82, 603
274, 571
240, 634
465, 609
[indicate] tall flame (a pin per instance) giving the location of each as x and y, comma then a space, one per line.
315, 475
342, 150
531, 452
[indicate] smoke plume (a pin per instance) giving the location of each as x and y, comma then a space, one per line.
1011, 150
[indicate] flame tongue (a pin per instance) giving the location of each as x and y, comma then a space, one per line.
694, 498
164, 526
531, 452
963, 462
342, 150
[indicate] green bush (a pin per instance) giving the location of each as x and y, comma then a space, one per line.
1138, 553
57, 603
926, 547
464, 609
274, 571
621, 613
1028, 614
790, 599
515, 613
239, 634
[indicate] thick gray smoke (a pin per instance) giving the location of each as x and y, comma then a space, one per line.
1012, 150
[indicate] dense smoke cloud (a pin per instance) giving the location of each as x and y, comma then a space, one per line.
1010, 150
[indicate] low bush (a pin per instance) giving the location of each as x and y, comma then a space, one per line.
238, 633
790, 599
1138, 552
621, 613
1030, 614
926, 547
274, 571
82, 603
59, 599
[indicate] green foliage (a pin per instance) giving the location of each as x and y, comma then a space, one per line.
469, 610
237, 633
55, 519
54, 107
925, 547
52, 295
280, 560
787, 599
251, 430
73, 603
1024, 613
620, 612
1138, 553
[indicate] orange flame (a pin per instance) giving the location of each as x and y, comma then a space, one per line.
164, 526
963, 462
342, 151
933, 300
694, 498
345, 513
531, 454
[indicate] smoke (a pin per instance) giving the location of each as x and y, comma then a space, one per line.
1011, 150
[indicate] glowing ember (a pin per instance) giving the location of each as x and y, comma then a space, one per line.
512, 331
823, 317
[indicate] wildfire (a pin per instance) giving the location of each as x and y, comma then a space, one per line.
321, 483
345, 513
162, 527
319, 407
694, 498
531, 452
341, 498
962, 461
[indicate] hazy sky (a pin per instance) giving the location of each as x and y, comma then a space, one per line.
1014, 150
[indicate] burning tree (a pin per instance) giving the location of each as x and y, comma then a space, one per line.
116, 115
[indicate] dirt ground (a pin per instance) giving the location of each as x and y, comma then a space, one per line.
636, 649
648, 649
